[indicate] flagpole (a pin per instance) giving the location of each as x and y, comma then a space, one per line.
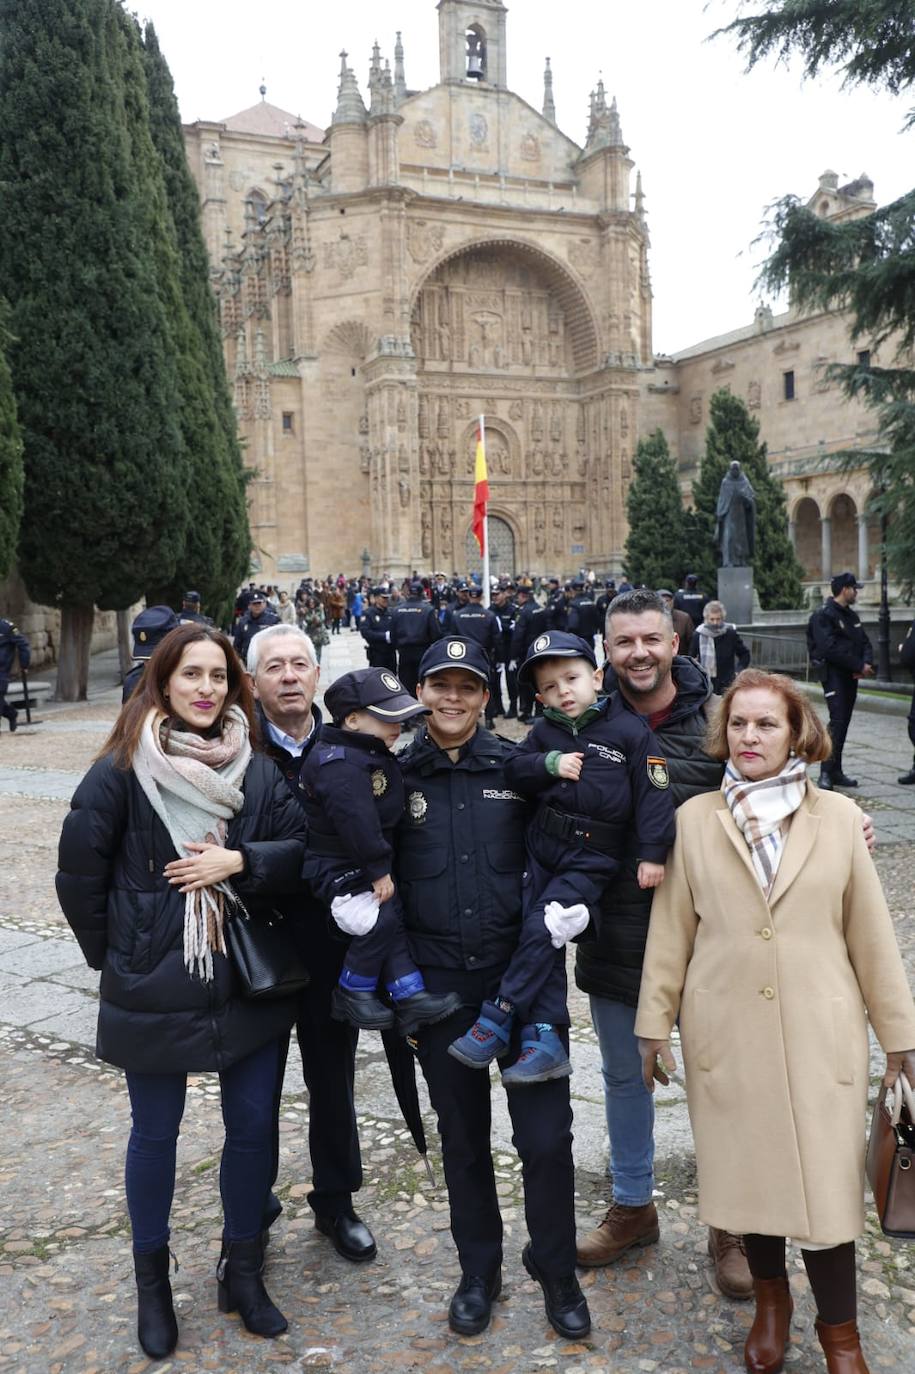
486, 594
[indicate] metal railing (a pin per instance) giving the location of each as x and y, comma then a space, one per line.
777, 653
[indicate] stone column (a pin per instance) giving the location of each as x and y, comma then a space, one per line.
863, 549
792, 534
826, 548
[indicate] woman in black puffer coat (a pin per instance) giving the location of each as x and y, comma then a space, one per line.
175, 816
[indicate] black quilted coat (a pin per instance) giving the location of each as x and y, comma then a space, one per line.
154, 1016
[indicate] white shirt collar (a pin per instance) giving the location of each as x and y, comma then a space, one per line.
292, 746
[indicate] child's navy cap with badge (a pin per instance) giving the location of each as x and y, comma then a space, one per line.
375, 690
151, 626
454, 652
555, 644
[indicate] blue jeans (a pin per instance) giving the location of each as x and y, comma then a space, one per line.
629, 1104
157, 1106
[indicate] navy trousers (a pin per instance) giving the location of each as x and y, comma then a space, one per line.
840, 690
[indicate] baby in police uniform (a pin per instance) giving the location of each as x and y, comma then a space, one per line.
601, 788
354, 796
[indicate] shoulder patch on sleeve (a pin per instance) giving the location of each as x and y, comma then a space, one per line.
657, 771
331, 753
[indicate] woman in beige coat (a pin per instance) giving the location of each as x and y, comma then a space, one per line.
771, 940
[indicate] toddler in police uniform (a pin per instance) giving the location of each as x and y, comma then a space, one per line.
354, 797
594, 769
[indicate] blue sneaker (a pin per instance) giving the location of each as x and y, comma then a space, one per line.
542, 1057
487, 1038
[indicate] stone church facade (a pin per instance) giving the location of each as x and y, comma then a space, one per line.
441, 254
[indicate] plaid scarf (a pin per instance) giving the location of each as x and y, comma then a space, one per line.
760, 808
194, 786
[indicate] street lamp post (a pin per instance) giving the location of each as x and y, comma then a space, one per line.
883, 619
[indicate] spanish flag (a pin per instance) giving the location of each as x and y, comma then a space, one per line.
480, 489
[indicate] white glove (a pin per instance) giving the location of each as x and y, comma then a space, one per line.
355, 915
565, 922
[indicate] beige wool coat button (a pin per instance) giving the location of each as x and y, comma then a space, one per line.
768, 993
766, 933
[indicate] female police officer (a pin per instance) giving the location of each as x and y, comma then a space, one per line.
459, 863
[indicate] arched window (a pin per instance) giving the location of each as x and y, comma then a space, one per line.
258, 204
476, 53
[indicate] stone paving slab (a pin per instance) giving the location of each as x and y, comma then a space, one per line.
46, 782
40, 957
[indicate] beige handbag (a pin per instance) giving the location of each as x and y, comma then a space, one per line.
891, 1159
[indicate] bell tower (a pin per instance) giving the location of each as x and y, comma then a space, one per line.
472, 41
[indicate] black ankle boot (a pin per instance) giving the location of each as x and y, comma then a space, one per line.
241, 1288
157, 1329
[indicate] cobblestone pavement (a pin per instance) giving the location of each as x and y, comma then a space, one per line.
66, 1282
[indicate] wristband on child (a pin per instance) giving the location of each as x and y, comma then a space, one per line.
551, 762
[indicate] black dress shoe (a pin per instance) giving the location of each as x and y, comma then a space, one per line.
360, 1008
824, 782
424, 1009
566, 1305
843, 780
14, 721
349, 1236
471, 1306
907, 779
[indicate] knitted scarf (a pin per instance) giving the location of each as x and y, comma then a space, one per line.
759, 808
708, 659
194, 786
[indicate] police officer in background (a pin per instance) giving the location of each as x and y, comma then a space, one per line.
12, 641
505, 610
690, 599
414, 626
532, 620
581, 617
842, 653
149, 627
258, 616
462, 912
475, 621
375, 628
603, 602
556, 605
907, 659
190, 610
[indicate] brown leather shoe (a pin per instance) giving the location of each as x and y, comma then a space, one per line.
731, 1269
842, 1348
621, 1229
764, 1352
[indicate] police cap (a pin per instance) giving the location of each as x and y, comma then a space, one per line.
379, 591
192, 598
845, 579
555, 644
376, 690
416, 589
454, 652
257, 595
151, 626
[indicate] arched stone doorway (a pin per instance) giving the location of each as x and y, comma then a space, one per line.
808, 538
501, 549
844, 521
504, 330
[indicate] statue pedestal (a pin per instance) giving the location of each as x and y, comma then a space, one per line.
735, 589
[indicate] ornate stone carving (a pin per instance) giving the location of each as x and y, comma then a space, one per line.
723, 365
346, 255
583, 256
401, 415
556, 424
426, 526
516, 410
479, 132
424, 240
530, 148
443, 428
695, 410
365, 458
539, 530
624, 419
754, 396
422, 419
445, 532
537, 423
424, 134
537, 462
403, 488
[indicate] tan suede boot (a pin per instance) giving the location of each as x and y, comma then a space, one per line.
842, 1348
621, 1229
764, 1352
731, 1269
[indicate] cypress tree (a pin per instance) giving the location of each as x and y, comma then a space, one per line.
732, 435
654, 545
84, 247
10, 457
216, 555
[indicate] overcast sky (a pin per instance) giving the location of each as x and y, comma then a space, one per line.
714, 146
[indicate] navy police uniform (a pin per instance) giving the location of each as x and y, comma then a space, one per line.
459, 865
414, 626
531, 621
148, 629
475, 621
250, 625
353, 795
578, 836
839, 648
12, 641
691, 600
506, 614
375, 628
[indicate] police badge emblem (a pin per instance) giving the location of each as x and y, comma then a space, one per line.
456, 649
379, 783
657, 772
417, 806
391, 682
542, 643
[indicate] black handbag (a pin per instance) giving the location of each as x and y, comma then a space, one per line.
263, 953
